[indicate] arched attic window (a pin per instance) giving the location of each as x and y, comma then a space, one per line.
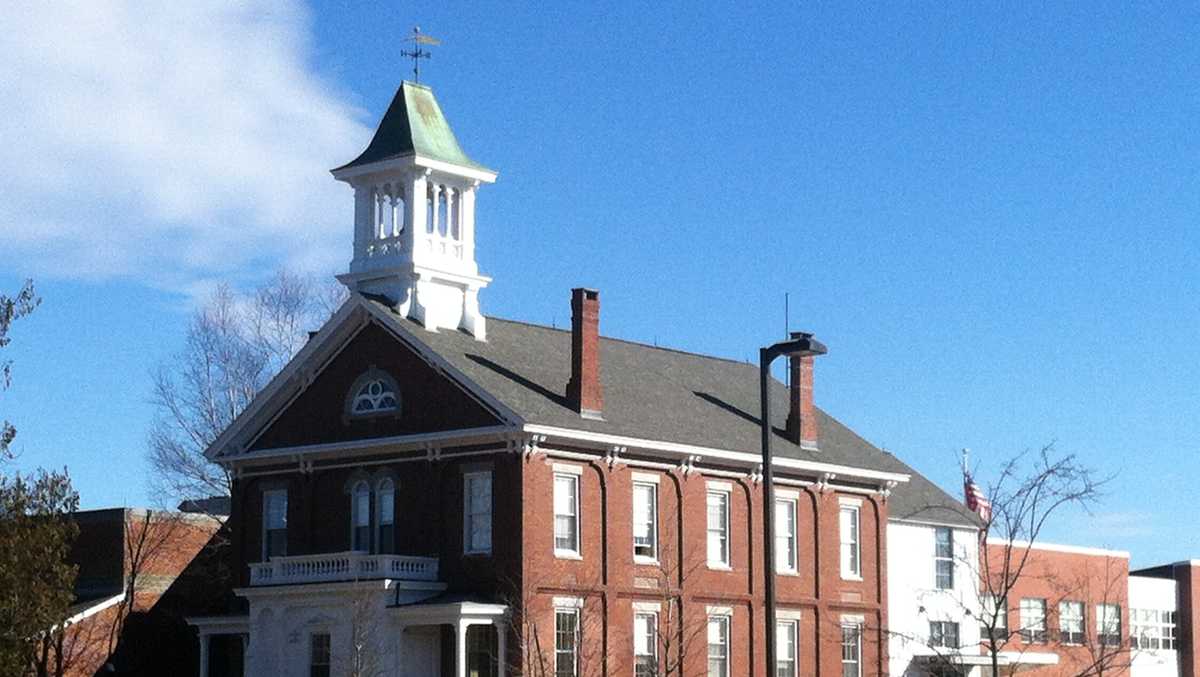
373, 393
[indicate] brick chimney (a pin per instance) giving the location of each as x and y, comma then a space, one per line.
802, 415
584, 390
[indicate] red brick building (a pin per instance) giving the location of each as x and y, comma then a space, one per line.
1068, 611
139, 573
425, 490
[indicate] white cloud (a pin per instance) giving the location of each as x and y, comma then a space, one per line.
170, 142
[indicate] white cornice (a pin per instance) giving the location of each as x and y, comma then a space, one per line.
498, 433
1056, 547
411, 160
709, 453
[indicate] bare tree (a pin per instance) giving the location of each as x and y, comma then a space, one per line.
679, 633
12, 309
364, 659
534, 623
1029, 491
235, 343
1107, 650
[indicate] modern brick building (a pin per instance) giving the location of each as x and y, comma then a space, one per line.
137, 577
425, 490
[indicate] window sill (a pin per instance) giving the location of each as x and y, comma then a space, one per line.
477, 553
717, 566
786, 572
567, 554
646, 561
857, 578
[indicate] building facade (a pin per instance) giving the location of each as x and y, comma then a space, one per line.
425, 490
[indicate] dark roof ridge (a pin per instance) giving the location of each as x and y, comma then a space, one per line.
640, 344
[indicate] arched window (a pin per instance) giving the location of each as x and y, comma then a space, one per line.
373, 393
385, 511
361, 517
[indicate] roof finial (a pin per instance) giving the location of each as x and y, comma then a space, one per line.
417, 53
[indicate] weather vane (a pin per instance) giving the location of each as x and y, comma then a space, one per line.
417, 53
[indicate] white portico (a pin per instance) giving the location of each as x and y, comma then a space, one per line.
414, 216
359, 613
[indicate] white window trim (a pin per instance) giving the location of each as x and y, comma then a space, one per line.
354, 513
856, 622
952, 558
787, 614
266, 494
725, 489
568, 602
647, 559
467, 477
721, 615
856, 506
577, 612
643, 609
377, 503
793, 500
575, 477
718, 485
567, 469
792, 618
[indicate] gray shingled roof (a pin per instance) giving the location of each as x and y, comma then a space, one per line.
663, 394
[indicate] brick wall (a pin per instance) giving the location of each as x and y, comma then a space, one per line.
610, 581
1057, 574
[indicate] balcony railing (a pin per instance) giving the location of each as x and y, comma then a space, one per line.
342, 566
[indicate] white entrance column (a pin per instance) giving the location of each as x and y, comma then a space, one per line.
398, 650
501, 641
203, 654
460, 650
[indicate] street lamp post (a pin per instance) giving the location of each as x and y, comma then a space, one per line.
799, 345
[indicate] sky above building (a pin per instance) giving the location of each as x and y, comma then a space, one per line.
989, 214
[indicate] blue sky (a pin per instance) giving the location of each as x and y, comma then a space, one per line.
989, 214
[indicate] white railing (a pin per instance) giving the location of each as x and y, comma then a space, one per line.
342, 566
392, 244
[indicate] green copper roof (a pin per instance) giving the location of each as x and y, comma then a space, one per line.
414, 124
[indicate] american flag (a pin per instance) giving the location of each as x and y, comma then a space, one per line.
976, 500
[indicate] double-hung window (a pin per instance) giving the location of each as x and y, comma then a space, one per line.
477, 513
361, 517
785, 648
943, 558
319, 657
385, 515
1070, 622
718, 646
275, 507
1033, 621
851, 650
566, 514
718, 529
566, 642
943, 634
645, 644
850, 552
785, 535
1108, 624
645, 521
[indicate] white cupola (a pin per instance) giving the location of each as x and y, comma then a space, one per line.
414, 216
